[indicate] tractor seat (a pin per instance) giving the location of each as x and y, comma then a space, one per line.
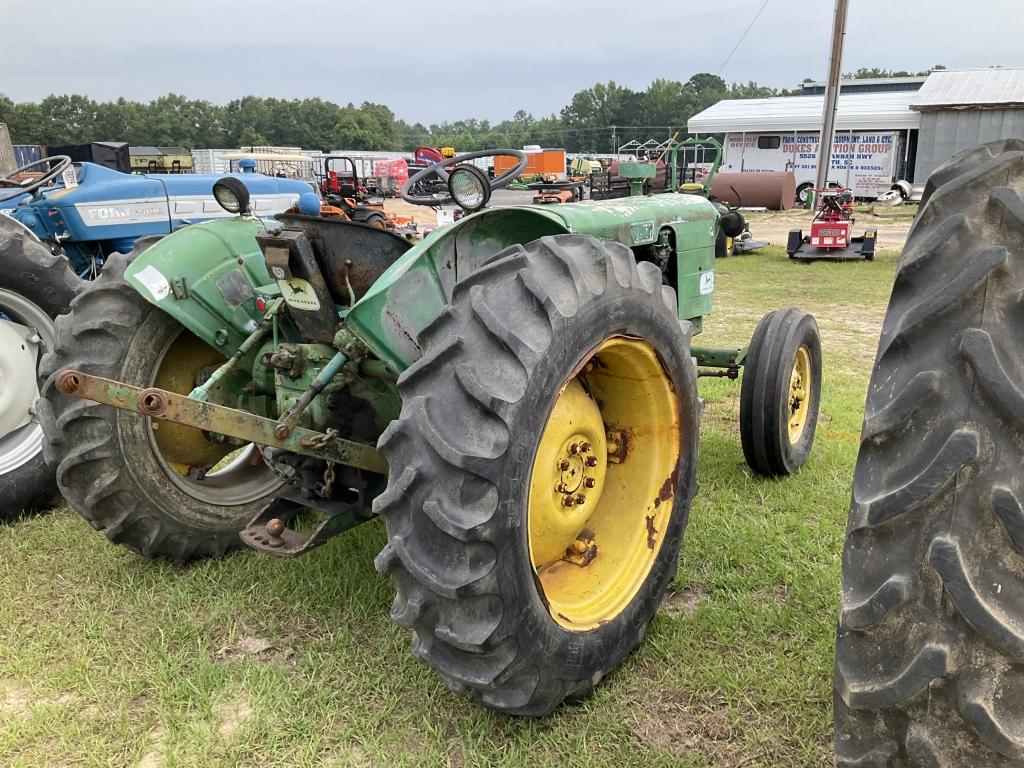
691, 188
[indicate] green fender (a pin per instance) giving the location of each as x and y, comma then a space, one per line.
207, 276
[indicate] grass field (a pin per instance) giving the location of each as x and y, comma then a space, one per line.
107, 659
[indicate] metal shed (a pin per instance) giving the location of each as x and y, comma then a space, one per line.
962, 108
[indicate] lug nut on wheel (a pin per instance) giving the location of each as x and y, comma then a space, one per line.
591, 461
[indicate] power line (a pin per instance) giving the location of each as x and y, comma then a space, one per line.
751, 24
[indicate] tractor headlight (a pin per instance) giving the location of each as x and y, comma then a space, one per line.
231, 194
469, 187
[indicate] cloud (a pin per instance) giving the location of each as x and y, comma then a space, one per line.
448, 59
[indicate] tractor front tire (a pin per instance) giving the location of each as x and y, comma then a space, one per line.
523, 587
930, 641
114, 466
781, 392
35, 286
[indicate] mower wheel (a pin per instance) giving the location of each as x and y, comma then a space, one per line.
930, 639
794, 242
35, 287
732, 223
781, 392
375, 220
723, 245
158, 488
541, 472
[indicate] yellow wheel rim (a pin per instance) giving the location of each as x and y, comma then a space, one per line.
184, 447
603, 482
800, 382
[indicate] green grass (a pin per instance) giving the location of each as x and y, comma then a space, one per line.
107, 659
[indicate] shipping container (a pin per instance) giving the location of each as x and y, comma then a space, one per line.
547, 162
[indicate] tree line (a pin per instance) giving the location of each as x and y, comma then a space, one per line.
596, 119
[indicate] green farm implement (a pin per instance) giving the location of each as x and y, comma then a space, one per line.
516, 395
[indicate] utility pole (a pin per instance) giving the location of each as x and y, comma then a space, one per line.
828, 113
615, 143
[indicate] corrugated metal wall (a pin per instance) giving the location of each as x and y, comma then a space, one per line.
945, 132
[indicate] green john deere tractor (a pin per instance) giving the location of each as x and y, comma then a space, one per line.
516, 395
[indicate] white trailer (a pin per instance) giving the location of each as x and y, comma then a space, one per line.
875, 141
862, 162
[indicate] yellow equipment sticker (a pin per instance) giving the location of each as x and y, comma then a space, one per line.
299, 294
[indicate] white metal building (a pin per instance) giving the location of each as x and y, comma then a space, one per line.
963, 108
894, 132
876, 135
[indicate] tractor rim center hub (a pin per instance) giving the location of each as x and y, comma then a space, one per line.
579, 481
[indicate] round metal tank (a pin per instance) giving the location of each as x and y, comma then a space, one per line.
775, 191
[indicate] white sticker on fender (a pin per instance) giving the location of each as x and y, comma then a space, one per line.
154, 282
707, 283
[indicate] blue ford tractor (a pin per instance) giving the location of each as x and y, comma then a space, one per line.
58, 224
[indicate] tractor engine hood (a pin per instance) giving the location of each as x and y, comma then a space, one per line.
410, 294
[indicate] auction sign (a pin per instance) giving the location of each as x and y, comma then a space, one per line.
862, 162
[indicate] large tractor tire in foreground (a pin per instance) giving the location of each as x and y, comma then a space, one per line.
35, 287
158, 488
931, 631
541, 472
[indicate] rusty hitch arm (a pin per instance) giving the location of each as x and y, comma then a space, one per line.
170, 406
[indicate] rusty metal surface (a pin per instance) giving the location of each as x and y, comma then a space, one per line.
169, 406
774, 191
269, 533
349, 253
292, 263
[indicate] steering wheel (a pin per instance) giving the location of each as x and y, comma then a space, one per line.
56, 166
438, 169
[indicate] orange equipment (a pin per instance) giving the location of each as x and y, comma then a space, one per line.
540, 163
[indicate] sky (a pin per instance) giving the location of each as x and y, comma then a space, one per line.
452, 59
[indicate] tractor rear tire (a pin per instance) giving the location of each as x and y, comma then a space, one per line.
965, 162
781, 392
108, 461
464, 468
930, 638
35, 287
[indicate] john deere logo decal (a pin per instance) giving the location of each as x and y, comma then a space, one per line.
641, 232
298, 294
